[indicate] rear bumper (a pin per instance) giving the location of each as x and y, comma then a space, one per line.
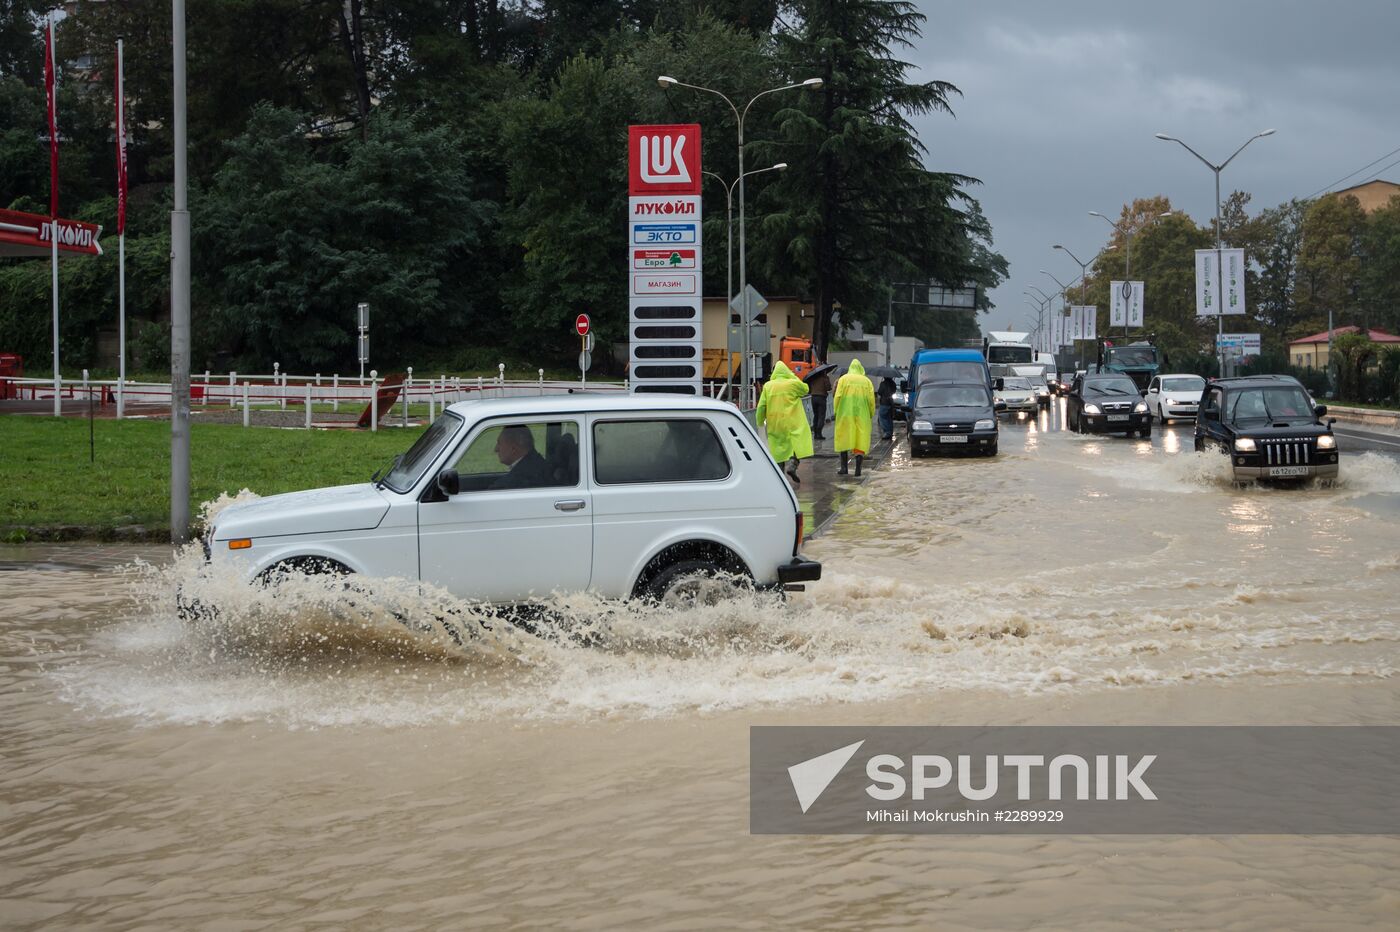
799, 570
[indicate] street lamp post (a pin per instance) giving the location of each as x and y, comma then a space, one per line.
1128, 243
179, 297
729, 259
1084, 277
1219, 243
666, 83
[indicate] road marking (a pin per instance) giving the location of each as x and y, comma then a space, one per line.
1368, 438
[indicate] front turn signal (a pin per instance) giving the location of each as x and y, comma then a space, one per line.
242, 543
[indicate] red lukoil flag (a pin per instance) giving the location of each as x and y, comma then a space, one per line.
121, 149
53, 121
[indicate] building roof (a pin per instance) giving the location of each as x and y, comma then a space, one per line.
1377, 336
1372, 195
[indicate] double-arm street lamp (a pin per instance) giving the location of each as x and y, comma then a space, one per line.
1219, 242
729, 254
667, 83
1084, 269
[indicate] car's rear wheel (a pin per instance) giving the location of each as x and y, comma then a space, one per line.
694, 582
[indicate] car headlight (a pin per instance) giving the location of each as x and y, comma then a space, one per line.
1140, 407
1245, 445
923, 425
985, 424
1168, 401
1327, 442
1092, 409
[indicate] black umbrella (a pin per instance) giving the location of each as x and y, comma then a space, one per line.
825, 368
884, 372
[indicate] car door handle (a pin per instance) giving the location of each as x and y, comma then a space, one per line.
571, 505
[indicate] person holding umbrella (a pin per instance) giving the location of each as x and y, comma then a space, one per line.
780, 412
855, 410
819, 381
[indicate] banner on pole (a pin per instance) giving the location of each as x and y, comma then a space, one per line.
1086, 324
1125, 304
1210, 294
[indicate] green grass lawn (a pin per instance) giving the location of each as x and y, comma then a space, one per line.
49, 482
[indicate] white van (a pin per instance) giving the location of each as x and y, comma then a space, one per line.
510, 499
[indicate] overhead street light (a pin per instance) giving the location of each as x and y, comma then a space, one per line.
1219, 243
1127, 235
729, 251
667, 82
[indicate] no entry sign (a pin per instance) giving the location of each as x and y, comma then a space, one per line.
581, 325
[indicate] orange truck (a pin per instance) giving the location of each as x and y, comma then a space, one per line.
797, 354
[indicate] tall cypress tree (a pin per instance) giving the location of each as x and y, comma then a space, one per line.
857, 207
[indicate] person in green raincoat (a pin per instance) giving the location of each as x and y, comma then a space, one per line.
855, 411
780, 410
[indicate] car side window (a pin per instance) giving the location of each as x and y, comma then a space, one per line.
1210, 408
520, 455
660, 450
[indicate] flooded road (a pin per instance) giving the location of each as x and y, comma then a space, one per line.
308, 761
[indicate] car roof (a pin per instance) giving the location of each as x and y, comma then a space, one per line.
1106, 376
948, 355
1246, 381
1180, 375
584, 401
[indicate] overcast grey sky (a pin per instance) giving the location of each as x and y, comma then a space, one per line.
1061, 100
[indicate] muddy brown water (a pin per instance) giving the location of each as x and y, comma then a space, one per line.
309, 762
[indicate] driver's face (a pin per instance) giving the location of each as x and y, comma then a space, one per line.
505, 450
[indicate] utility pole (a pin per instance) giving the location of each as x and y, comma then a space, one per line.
179, 301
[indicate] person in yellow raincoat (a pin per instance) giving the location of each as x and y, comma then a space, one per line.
780, 410
855, 411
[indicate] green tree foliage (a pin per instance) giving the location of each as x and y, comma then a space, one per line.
1380, 267
1354, 354
1329, 261
291, 235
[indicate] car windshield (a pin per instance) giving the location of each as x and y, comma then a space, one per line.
1269, 404
1184, 385
954, 396
1016, 385
1001, 355
408, 467
966, 371
1110, 387
1133, 355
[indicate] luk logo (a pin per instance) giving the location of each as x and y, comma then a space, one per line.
664, 159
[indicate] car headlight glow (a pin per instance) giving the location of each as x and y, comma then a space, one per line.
1092, 409
1245, 445
923, 425
1168, 401
1140, 407
985, 424
1327, 442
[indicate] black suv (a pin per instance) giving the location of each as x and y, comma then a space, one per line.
1107, 403
1269, 427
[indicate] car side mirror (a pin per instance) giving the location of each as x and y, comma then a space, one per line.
999, 406
999, 384
448, 482
1142, 392
1319, 410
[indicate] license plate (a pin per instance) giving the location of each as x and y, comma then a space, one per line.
1288, 470
953, 438
1117, 417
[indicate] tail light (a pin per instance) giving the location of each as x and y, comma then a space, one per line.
801, 521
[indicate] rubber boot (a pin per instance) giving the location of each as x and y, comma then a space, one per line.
792, 470
845, 457
859, 459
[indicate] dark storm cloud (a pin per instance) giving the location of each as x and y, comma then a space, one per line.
1061, 100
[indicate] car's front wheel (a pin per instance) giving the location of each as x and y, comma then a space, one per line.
1200, 444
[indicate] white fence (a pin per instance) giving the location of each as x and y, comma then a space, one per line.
313, 394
